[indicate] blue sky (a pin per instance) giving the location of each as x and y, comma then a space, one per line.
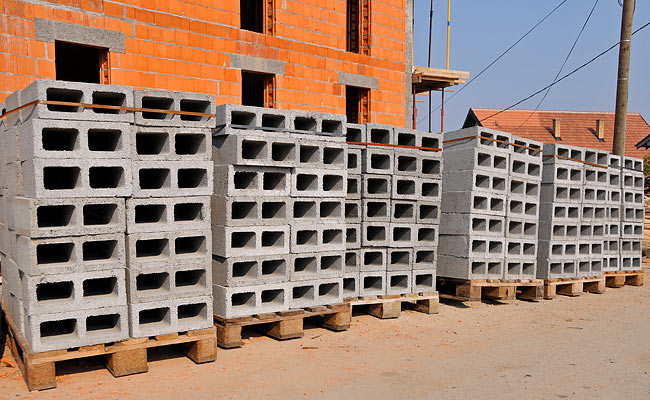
483, 29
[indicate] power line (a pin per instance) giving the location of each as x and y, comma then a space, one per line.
564, 77
496, 59
562, 67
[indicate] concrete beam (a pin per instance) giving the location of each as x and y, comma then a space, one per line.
50, 31
362, 81
257, 64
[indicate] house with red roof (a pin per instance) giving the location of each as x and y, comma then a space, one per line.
577, 128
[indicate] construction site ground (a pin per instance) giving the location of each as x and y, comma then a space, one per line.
592, 346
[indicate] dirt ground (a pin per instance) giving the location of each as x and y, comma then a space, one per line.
590, 347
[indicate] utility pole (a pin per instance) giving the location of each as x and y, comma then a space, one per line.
620, 120
429, 59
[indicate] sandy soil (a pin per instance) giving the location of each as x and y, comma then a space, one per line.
590, 347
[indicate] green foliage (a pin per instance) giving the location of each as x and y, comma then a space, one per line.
646, 165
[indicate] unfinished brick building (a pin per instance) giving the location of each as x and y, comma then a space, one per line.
349, 57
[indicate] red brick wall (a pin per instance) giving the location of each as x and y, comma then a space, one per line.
186, 46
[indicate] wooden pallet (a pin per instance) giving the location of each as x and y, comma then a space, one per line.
619, 279
122, 358
281, 325
474, 290
390, 306
573, 286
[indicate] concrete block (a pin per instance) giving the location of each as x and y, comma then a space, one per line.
317, 266
66, 255
150, 249
570, 173
352, 261
523, 209
152, 319
378, 186
230, 180
353, 161
614, 213
593, 213
631, 180
169, 214
250, 211
316, 293
167, 282
595, 156
468, 138
475, 180
312, 152
255, 148
48, 294
474, 202
412, 137
69, 178
373, 259
378, 160
352, 236
611, 263
560, 193
556, 268
352, 211
631, 163
592, 267
410, 235
250, 240
521, 248
522, 166
356, 133
631, 263
253, 118
425, 258
11, 276
633, 214
632, 230
68, 217
399, 282
558, 154
193, 313
614, 178
632, 197
170, 144
250, 270
595, 176
424, 281
521, 228
314, 238
376, 210
12, 102
353, 189
408, 211
531, 149
375, 234
51, 138
480, 267
595, 194
318, 123
611, 247
380, 134
471, 246
77, 328
400, 259
372, 283
614, 161
418, 163
560, 212
558, 231
319, 183
75, 92
520, 269
411, 188
351, 283
474, 224
172, 178
488, 159
232, 302
630, 247
174, 101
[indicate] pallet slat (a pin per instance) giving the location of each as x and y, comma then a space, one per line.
573, 286
474, 290
619, 279
390, 306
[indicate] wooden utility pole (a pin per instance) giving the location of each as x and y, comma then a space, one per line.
623, 75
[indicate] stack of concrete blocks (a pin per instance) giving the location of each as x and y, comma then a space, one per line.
577, 217
169, 237
632, 213
396, 191
278, 210
490, 205
65, 176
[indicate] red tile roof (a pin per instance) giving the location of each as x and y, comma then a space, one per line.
577, 128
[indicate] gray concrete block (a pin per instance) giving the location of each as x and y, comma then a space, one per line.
614, 161
69, 178
520, 269
593, 213
316, 293
352, 236
317, 266
375, 234
596, 156
556, 268
356, 133
595, 176
561, 193
521, 228
418, 163
351, 283
250, 270
631, 163
571, 173
591, 267
412, 137
399, 282
168, 282
425, 258
352, 211
51, 31
353, 161
234, 181
149, 249
560, 212
400, 259
631, 180
610, 247
557, 249
530, 149
319, 183
353, 187
312, 152
488, 159
75, 92
250, 240
48, 294
523, 166
378, 186
172, 178
372, 283
12, 102
633, 214
247, 117
424, 281
51, 138
410, 235
162, 214
614, 178
613, 229
631, 263
232, 302
193, 313
373, 259
480, 267
522, 209
318, 123
475, 180
611, 263
174, 101
380, 134
474, 202
472, 246
632, 230
595, 195
68, 217
253, 147
54, 256
521, 248
15, 186
378, 160
558, 153
632, 197
630, 247
77, 328
352, 261
168, 144
250, 211
408, 211
152, 319
474, 224
11, 276
558, 231
376, 210
470, 139
313, 238
613, 213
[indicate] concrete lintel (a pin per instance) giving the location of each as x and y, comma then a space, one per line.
358, 80
50, 31
257, 64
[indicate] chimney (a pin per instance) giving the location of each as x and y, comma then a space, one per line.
556, 129
600, 129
